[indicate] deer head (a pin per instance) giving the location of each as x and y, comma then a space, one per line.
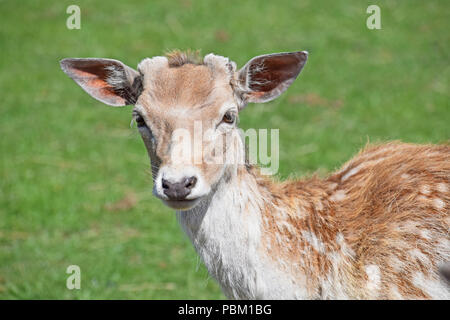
186, 110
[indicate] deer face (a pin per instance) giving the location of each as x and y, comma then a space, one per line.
186, 111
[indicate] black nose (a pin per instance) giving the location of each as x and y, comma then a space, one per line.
178, 190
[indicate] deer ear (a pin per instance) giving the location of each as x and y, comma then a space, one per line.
265, 77
107, 80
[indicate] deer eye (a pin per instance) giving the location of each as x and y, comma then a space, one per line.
139, 120
229, 117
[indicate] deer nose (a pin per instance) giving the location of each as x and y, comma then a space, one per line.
178, 190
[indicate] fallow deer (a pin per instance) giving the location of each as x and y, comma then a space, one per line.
378, 228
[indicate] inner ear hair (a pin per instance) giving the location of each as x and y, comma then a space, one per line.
107, 80
126, 86
265, 77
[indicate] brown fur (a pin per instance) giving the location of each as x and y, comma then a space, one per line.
392, 205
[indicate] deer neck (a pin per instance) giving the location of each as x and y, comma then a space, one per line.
226, 230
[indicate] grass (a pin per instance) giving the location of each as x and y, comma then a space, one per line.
74, 181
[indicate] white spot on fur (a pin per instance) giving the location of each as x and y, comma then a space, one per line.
442, 247
408, 227
373, 273
312, 239
442, 187
425, 189
319, 206
422, 198
350, 173
425, 234
279, 239
338, 195
332, 186
435, 288
395, 294
333, 285
366, 164
340, 238
438, 204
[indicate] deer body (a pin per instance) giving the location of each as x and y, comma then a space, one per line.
376, 229
324, 239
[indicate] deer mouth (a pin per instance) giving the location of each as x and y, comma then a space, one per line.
181, 205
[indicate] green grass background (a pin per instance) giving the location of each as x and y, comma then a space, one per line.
75, 186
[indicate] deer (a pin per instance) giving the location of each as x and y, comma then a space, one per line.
377, 228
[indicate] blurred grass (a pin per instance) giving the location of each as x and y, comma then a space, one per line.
74, 181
